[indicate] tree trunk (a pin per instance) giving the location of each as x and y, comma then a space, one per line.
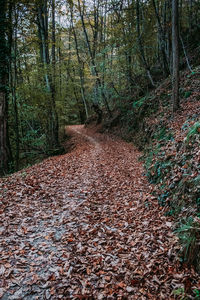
13, 73
175, 54
14, 96
146, 66
80, 67
53, 81
52, 127
5, 153
43, 36
93, 64
185, 53
162, 41
59, 60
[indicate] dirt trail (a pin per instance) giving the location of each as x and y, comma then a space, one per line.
84, 226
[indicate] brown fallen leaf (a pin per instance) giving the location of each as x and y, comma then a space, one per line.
108, 243
121, 284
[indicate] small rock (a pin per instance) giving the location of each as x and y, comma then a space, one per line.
17, 295
2, 291
48, 294
129, 289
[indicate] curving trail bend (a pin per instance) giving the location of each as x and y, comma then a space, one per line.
84, 225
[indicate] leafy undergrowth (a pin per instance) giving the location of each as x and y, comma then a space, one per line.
171, 154
85, 225
172, 162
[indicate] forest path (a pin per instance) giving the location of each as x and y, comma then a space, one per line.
85, 226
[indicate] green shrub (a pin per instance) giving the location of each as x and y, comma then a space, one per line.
187, 94
195, 129
189, 234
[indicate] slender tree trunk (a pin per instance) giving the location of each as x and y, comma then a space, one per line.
43, 28
59, 60
60, 71
5, 153
162, 40
175, 53
79, 104
190, 16
103, 38
168, 37
53, 81
43, 35
42, 17
13, 87
185, 53
80, 66
93, 64
146, 66
13, 73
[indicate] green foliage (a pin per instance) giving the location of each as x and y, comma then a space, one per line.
140, 102
187, 94
195, 129
150, 155
189, 234
162, 198
198, 199
180, 292
115, 72
158, 171
191, 74
163, 134
196, 293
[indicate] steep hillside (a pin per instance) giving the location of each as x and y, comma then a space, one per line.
170, 144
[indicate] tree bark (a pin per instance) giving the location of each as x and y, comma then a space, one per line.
175, 54
14, 75
43, 20
146, 66
80, 67
162, 41
93, 64
185, 53
43, 36
5, 153
55, 125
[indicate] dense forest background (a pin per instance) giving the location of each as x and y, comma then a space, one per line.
63, 61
